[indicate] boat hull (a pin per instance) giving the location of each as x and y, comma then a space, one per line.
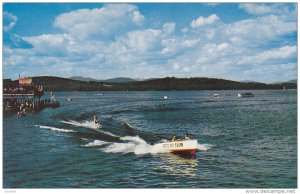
179, 147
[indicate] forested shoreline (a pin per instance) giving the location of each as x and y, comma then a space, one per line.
57, 84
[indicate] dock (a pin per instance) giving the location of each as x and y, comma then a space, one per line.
23, 96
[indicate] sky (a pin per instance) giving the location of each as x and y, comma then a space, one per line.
236, 41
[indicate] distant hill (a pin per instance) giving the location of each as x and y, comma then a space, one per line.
119, 80
113, 80
248, 81
293, 81
50, 83
79, 78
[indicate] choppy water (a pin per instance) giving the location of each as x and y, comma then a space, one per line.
243, 142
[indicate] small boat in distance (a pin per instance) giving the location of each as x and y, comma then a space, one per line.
216, 96
165, 97
246, 94
69, 99
179, 147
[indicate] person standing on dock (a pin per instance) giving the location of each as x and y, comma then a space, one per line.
52, 96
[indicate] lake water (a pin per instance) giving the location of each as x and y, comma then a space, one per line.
243, 142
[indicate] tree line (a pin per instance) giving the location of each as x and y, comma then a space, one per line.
50, 83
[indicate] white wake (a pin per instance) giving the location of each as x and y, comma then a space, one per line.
133, 144
89, 125
56, 129
96, 143
86, 124
204, 147
136, 145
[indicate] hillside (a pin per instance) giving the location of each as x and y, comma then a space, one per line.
119, 80
169, 83
80, 78
294, 81
114, 80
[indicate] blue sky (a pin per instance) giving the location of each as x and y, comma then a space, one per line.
229, 40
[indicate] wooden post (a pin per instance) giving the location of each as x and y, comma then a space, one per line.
33, 106
38, 104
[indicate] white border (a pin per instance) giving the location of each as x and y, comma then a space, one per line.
137, 191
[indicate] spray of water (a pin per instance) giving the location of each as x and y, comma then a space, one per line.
96, 143
204, 147
138, 146
133, 144
86, 124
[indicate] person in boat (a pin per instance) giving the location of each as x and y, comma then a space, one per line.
186, 136
174, 138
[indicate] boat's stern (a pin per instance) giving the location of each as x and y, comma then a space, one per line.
181, 147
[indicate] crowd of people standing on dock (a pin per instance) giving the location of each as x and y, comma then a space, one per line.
20, 97
23, 97
23, 90
22, 108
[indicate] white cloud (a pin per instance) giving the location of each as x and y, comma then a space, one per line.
271, 56
184, 30
176, 66
110, 20
272, 72
189, 43
201, 21
260, 30
142, 40
112, 41
263, 9
15, 57
169, 28
173, 46
137, 17
210, 53
9, 21
50, 44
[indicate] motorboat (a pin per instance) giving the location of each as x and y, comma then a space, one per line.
246, 94
165, 97
216, 96
179, 147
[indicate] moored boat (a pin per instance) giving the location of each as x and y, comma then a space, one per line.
69, 99
216, 96
179, 147
246, 94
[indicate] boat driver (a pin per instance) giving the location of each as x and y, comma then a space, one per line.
186, 136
